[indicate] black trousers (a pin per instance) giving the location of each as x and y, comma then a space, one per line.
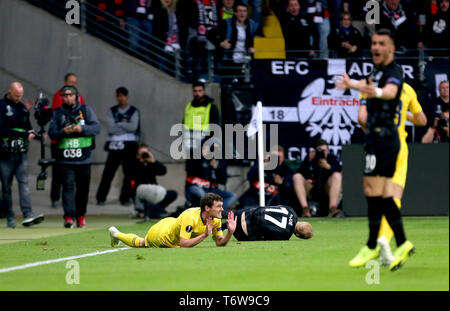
55, 190
113, 161
76, 180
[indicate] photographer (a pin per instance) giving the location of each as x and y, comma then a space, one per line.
204, 175
319, 175
278, 184
74, 127
16, 133
151, 199
438, 128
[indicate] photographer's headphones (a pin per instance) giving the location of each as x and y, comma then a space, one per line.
70, 88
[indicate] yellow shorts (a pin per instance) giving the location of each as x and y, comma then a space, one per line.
156, 234
401, 166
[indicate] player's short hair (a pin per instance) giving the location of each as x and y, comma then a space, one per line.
386, 32
122, 90
442, 82
303, 230
209, 199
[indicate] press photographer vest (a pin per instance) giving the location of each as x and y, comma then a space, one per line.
121, 142
75, 148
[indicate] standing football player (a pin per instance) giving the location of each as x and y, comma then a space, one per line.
382, 90
411, 110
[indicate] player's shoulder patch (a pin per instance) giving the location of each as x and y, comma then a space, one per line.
188, 228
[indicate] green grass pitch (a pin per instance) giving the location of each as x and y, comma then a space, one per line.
319, 264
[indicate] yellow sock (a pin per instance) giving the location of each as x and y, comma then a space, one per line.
385, 229
130, 239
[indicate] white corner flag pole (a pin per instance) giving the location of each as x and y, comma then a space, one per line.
260, 154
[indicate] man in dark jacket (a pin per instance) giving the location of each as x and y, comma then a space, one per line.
15, 133
146, 168
346, 39
74, 127
199, 114
319, 172
139, 22
297, 26
204, 175
278, 186
436, 30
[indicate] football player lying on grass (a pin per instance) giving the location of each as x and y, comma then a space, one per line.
270, 223
187, 230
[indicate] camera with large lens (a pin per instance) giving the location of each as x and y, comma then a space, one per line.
42, 110
145, 155
43, 114
443, 122
320, 154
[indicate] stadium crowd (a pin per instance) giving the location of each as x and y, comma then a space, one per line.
226, 29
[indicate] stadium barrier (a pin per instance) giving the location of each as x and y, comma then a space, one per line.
426, 191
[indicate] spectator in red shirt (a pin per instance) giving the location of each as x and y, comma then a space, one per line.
69, 79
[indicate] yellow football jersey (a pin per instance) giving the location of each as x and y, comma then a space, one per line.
168, 231
408, 102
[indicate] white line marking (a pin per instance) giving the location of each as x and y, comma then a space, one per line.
39, 263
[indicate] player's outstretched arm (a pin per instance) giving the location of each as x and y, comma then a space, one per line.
231, 223
419, 119
345, 82
184, 243
388, 92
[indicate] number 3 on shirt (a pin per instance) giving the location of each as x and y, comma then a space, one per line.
281, 210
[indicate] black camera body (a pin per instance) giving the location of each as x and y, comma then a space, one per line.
70, 121
42, 110
145, 155
43, 114
320, 154
443, 122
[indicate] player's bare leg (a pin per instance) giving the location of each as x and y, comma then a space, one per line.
334, 184
300, 191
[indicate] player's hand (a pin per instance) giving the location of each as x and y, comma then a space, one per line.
369, 89
209, 227
343, 82
231, 222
